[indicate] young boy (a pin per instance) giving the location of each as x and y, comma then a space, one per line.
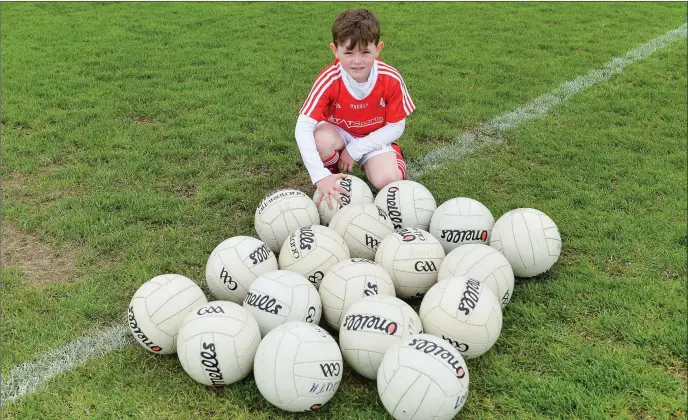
355, 111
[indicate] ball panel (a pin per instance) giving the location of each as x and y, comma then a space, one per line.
464, 313
305, 367
349, 281
152, 285
436, 359
411, 257
372, 325
409, 408
158, 299
398, 388
422, 377
529, 240
147, 333
208, 341
158, 308
482, 263
281, 213
359, 192
408, 203
265, 365
312, 251
282, 296
234, 264
363, 227
461, 221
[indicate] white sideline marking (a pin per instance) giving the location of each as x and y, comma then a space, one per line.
491, 132
27, 377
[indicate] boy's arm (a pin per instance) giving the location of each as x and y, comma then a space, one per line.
305, 126
382, 137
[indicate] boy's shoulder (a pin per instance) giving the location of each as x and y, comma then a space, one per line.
333, 68
381, 65
384, 70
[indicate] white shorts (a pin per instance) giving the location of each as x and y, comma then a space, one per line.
348, 138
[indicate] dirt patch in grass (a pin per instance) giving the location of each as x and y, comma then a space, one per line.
679, 369
615, 267
39, 262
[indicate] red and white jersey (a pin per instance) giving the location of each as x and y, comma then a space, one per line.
330, 100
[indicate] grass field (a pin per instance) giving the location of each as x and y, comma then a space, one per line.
136, 137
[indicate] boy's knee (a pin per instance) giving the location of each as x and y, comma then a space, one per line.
326, 138
383, 179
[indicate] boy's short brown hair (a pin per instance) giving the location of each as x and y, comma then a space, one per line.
358, 26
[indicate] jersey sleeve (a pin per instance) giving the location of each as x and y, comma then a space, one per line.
399, 103
320, 98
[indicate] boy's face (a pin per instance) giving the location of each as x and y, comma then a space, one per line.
359, 61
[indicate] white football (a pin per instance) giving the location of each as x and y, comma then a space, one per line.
234, 264
217, 343
312, 251
371, 326
298, 367
363, 227
158, 308
483, 263
350, 281
411, 257
423, 378
281, 213
282, 296
408, 204
529, 239
461, 221
465, 313
359, 192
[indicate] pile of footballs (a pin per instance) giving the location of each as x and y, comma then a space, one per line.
350, 267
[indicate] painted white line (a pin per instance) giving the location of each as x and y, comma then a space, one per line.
492, 131
27, 377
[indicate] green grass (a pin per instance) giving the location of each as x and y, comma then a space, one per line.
142, 135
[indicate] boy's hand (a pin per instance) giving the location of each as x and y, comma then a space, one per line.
327, 187
346, 163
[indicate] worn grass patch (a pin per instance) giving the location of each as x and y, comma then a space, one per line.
39, 262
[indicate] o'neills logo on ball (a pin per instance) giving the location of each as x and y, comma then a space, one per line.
306, 238
370, 289
263, 302
211, 364
346, 184
370, 323
274, 197
428, 347
470, 296
409, 235
456, 236
139, 334
393, 207
260, 254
